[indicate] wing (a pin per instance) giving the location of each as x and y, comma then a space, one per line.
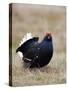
28, 44
32, 54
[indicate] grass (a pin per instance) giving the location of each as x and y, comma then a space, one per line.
54, 73
38, 19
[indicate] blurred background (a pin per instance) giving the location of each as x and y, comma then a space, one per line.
38, 19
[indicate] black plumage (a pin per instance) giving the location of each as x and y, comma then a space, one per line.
37, 54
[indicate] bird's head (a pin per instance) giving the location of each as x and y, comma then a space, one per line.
48, 36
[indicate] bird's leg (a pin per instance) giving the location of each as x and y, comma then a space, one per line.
38, 65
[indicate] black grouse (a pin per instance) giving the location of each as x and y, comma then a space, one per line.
37, 54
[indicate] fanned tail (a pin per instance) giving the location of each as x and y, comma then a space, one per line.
25, 38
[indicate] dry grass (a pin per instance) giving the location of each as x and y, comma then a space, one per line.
38, 19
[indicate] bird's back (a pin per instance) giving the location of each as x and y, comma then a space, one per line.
40, 54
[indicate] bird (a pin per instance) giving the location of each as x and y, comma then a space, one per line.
37, 54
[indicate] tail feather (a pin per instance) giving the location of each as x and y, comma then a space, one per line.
26, 37
20, 54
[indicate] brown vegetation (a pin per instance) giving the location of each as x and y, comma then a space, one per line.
38, 19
